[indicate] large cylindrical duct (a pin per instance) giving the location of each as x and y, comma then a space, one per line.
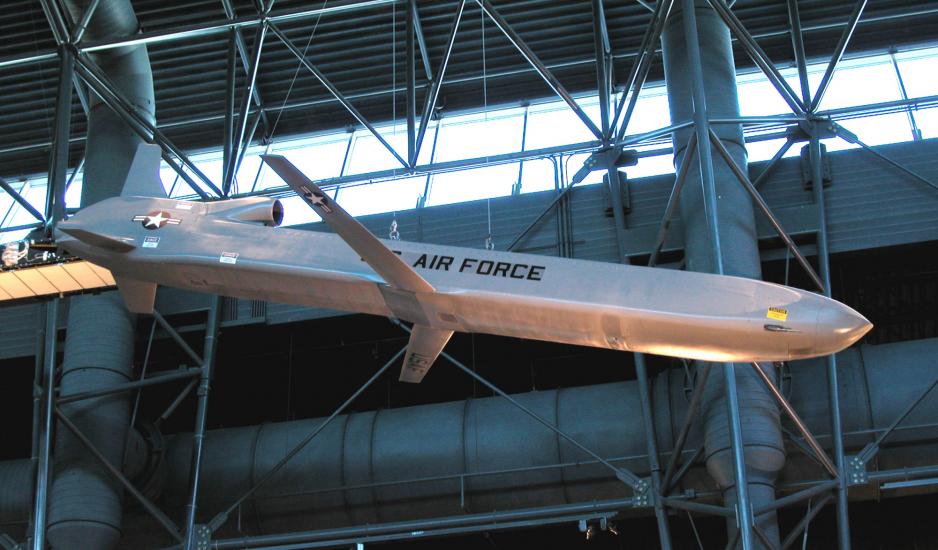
350, 473
762, 438
85, 505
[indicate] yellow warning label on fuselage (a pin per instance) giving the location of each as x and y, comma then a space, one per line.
777, 313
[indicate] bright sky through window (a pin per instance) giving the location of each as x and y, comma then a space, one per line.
859, 81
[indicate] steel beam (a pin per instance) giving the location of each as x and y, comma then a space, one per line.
838, 54
228, 147
177, 338
681, 440
433, 94
770, 166
758, 56
651, 445
679, 180
201, 414
421, 42
21, 201
130, 386
245, 104
833, 385
764, 207
812, 512
410, 95
850, 137
44, 447
55, 20
97, 81
243, 54
641, 65
335, 92
702, 127
58, 158
603, 65
796, 419
797, 43
538, 65
82, 25
222, 516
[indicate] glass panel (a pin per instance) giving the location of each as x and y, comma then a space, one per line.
472, 137
369, 155
651, 166
920, 76
538, 175
470, 185
758, 97
652, 111
555, 124
877, 130
860, 85
383, 196
927, 121
295, 212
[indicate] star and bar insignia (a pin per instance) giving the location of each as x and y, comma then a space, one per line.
157, 219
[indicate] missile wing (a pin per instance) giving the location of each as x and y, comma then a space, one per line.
233, 248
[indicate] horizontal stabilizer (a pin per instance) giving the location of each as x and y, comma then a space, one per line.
143, 178
424, 347
139, 296
381, 258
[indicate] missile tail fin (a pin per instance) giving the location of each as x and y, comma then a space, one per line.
139, 296
425, 346
143, 178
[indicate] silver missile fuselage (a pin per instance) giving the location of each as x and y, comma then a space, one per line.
217, 248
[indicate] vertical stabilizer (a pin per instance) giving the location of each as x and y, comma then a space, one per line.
139, 296
143, 178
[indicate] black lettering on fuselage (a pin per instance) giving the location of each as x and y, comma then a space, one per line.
536, 272
501, 269
445, 262
421, 261
485, 267
514, 271
467, 263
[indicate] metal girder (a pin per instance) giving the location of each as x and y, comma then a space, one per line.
797, 43
222, 516
21, 201
758, 56
201, 414
56, 22
429, 102
850, 137
411, 81
238, 136
82, 25
538, 65
799, 423
681, 440
130, 386
651, 445
764, 207
97, 81
58, 157
43, 422
679, 180
603, 64
641, 65
838, 54
243, 54
421, 41
336, 93
705, 155
638, 484
812, 512
833, 385
767, 171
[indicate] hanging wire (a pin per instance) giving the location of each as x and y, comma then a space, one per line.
299, 64
394, 67
489, 243
485, 89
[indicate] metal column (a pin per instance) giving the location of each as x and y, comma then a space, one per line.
44, 433
198, 436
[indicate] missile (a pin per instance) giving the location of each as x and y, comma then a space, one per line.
234, 248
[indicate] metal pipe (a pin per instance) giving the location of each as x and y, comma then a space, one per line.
838, 54
129, 386
813, 511
421, 42
331, 535
58, 157
700, 507
538, 65
764, 207
651, 444
796, 419
201, 414
336, 93
21, 201
410, 65
41, 496
82, 26
177, 338
601, 47
230, 84
819, 488
767, 171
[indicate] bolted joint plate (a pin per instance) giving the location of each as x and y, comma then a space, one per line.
856, 471
202, 536
643, 494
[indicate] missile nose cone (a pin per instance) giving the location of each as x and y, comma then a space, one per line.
839, 326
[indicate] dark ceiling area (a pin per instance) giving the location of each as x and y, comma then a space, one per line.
362, 51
